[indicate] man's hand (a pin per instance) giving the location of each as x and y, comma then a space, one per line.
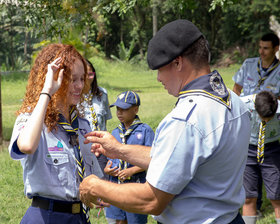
104, 143
87, 195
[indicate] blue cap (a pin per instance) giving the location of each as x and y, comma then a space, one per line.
126, 100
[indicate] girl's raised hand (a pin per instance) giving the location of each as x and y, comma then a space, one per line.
51, 85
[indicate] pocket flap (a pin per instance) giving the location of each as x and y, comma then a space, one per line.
56, 158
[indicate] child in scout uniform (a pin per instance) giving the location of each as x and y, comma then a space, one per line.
48, 138
263, 155
95, 107
130, 131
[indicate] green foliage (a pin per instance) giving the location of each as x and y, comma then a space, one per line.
179, 6
222, 3
120, 6
103, 26
124, 53
12, 36
12, 93
251, 21
73, 39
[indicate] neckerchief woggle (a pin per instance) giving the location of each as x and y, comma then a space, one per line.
124, 135
72, 130
274, 65
210, 85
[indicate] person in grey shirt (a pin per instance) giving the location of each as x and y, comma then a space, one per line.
48, 138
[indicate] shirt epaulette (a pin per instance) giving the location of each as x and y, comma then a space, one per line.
251, 60
184, 114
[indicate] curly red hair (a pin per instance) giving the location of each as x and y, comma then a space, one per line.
37, 77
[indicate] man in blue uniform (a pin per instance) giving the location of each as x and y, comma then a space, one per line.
260, 73
194, 170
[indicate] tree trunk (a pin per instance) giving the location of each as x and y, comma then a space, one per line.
25, 45
121, 31
12, 56
139, 21
1, 129
155, 15
86, 36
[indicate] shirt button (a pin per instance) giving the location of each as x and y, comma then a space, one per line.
55, 161
190, 100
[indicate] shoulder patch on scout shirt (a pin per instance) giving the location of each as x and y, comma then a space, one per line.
22, 120
184, 110
139, 136
21, 123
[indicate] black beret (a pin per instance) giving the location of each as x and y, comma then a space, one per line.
171, 41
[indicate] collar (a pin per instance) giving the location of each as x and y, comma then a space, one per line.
133, 125
210, 85
267, 71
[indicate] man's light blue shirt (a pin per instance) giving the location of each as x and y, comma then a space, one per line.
248, 77
199, 155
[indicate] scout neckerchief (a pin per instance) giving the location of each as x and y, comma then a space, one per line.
124, 135
94, 121
210, 85
72, 131
260, 151
274, 65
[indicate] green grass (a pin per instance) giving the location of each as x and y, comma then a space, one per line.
116, 78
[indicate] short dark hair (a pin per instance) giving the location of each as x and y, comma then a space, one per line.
198, 53
271, 37
266, 104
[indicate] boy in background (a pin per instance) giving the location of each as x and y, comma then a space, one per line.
263, 156
130, 131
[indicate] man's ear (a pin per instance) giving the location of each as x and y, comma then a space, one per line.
276, 49
178, 63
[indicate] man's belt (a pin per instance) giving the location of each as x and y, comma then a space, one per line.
57, 206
